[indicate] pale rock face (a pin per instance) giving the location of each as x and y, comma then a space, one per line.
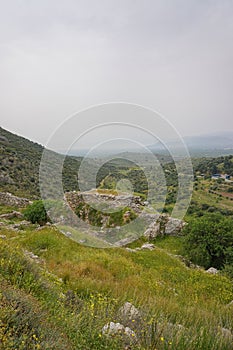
113, 329
173, 226
148, 246
212, 271
153, 230
164, 225
129, 311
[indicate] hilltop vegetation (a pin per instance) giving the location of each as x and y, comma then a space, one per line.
20, 162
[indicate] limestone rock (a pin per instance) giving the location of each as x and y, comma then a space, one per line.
149, 246
112, 329
173, 226
130, 317
163, 225
153, 230
212, 271
129, 311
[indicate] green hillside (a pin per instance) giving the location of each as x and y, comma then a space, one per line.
20, 162
58, 294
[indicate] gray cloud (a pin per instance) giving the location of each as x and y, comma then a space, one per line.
57, 57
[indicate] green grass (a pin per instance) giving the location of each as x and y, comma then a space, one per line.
101, 280
202, 195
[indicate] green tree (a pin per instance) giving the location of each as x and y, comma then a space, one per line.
36, 213
209, 241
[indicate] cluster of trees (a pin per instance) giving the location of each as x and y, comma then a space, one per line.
209, 166
209, 241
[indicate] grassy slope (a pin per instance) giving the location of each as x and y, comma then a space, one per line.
102, 280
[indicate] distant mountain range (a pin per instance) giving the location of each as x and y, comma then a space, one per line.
203, 145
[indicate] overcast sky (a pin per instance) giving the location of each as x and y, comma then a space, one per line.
60, 56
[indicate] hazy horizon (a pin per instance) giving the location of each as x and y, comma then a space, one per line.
58, 58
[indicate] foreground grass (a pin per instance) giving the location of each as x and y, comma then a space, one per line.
64, 298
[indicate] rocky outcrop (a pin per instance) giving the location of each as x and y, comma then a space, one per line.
10, 200
13, 214
101, 200
164, 225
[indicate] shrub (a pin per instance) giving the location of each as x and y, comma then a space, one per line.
36, 213
209, 240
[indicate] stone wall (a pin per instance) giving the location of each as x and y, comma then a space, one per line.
10, 200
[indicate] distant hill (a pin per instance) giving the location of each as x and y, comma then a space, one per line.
213, 141
210, 145
20, 162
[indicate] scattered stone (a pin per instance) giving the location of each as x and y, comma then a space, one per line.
130, 250
20, 225
3, 236
112, 329
68, 234
212, 271
129, 312
149, 246
33, 256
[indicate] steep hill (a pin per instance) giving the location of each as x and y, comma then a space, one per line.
19, 164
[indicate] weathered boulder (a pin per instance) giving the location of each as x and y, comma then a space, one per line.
129, 312
113, 329
173, 226
148, 246
131, 317
212, 271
